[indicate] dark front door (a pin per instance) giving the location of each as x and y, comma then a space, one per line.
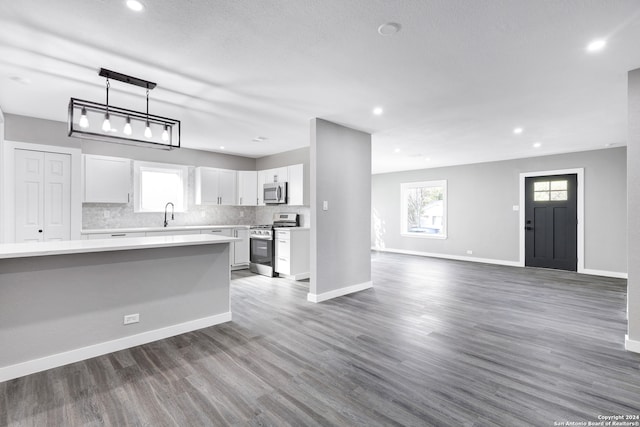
551, 222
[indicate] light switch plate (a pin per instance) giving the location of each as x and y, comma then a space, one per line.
516, 207
325, 205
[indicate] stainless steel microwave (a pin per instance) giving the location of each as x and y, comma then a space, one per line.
275, 192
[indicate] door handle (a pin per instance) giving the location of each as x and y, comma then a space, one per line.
528, 228
39, 231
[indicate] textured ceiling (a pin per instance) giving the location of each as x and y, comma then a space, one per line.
454, 82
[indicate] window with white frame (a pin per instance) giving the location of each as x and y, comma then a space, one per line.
424, 209
156, 184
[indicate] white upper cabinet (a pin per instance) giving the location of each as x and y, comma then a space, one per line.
248, 188
215, 186
295, 191
262, 180
106, 179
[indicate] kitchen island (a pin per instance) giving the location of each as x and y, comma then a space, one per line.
61, 302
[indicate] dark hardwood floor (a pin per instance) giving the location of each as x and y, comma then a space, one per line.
435, 342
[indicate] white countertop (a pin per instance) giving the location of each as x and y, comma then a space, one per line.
25, 250
145, 229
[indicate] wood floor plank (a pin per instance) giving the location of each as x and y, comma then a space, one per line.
433, 343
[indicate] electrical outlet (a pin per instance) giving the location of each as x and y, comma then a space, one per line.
241, 214
106, 213
131, 318
203, 214
469, 252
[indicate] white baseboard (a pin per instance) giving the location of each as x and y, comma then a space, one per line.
300, 276
453, 257
631, 345
604, 273
72, 356
339, 292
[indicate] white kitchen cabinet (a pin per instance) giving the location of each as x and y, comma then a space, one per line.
295, 190
215, 186
106, 179
241, 248
171, 232
113, 235
239, 251
276, 175
292, 253
248, 188
262, 180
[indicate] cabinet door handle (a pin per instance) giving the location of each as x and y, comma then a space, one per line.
128, 197
118, 235
216, 231
282, 241
240, 199
282, 259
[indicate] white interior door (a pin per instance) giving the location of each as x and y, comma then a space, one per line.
29, 174
42, 196
57, 196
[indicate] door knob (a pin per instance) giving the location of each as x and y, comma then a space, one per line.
39, 231
528, 228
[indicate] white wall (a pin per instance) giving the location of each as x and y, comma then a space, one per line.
633, 226
340, 175
480, 208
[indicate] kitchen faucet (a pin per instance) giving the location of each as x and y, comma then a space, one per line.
165, 213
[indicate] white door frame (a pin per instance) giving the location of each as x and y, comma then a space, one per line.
580, 193
8, 179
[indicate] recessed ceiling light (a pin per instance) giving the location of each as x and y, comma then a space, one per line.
259, 139
378, 111
596, 45
537, 144
427, 159
518, 131
388, 29
222, 147
609, 144
397, 150
135, 5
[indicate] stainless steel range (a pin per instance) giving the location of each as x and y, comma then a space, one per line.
262, 246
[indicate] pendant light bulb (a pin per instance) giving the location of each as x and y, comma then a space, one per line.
147, 131
106, 125
165, 133
127, 127
84, 121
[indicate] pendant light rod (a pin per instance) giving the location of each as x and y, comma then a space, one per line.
108, 85
126, 79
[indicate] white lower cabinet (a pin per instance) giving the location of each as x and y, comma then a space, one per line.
171, 232
114, 235
292, 252
239, 256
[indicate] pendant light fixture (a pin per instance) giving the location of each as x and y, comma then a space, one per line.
106, 124
127, 127
84, 121
147, 129
136, 126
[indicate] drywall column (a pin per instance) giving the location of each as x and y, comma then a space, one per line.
633, 213
2, 202
340, 176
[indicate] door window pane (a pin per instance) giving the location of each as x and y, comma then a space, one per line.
541, 196
559, 195
541, 186
558, 185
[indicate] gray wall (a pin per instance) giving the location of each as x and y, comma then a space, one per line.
480, 207
293, 157
341, 175
633, 182
40, 131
